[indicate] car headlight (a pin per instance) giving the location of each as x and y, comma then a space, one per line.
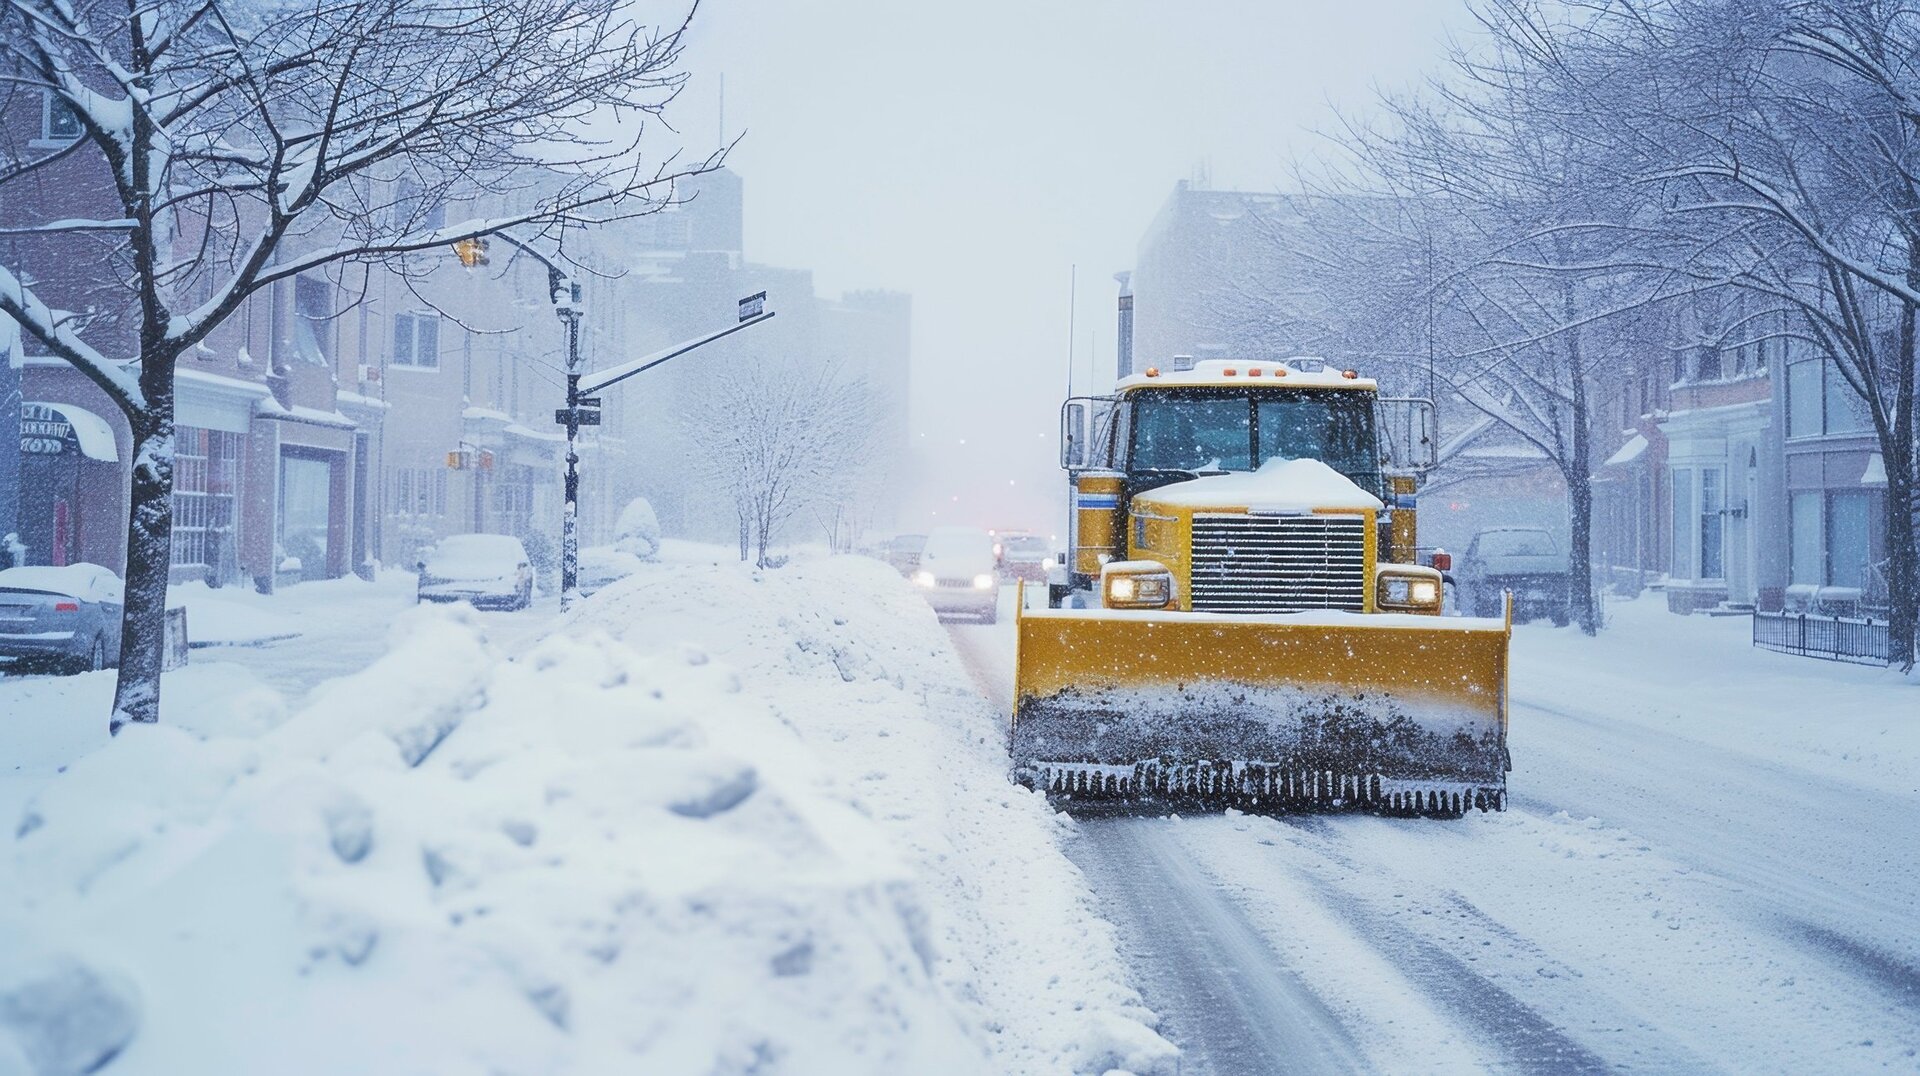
1405, 590
1047, 565
1136, 585
983, 582
923, 578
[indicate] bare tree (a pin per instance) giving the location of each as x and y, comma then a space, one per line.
779, 441
250, 142
1781, 143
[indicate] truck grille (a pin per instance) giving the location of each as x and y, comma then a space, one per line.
1259, 564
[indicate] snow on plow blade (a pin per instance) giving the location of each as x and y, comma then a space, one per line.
1382, 712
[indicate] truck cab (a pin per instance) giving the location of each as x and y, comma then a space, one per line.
1220, 473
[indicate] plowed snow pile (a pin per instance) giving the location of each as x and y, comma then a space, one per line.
720, 821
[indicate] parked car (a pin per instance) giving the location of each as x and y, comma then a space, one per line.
601, 566
66, 618
957, 573
485, 569
1022, 556
1525, 560
904, 552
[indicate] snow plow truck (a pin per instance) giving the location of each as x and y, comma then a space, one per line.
1240, 619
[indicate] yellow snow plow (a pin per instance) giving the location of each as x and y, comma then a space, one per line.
1241, 619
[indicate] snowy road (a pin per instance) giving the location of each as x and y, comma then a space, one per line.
1657, 899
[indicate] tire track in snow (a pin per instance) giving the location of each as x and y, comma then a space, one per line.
1467, 963
1838, 857
1225, 997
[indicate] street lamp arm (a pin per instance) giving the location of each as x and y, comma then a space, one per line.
600, 379
558, 275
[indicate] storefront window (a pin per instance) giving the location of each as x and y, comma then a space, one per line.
1807, 562
1849, 522
206, 474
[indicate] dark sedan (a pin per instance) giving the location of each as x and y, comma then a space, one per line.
66, 618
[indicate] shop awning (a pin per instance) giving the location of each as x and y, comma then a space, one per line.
90, 431
1629, 452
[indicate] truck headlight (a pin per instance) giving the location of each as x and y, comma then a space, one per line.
923, 578
983, 582
1136, 585
1408, 589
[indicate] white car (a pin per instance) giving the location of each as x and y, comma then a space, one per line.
485, 569
958, 573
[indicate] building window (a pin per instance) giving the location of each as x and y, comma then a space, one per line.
1846, 411
206, 476
1804, 405
1712, 499
1819, 401
1683, 544
416, 341
313, 320
410, 209
58, 121
1806, 565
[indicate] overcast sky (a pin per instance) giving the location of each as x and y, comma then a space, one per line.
973, 153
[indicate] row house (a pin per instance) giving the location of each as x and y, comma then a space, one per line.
352, 417
337, 420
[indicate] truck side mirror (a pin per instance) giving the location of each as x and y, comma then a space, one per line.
1409, 438
1076, 417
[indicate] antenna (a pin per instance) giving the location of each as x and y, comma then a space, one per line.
723, 111
1073, 293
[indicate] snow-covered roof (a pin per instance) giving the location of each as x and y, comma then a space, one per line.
1288, 373
1279, 486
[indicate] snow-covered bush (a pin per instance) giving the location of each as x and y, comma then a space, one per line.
638, 530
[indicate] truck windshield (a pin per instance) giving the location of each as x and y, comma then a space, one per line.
1233, 430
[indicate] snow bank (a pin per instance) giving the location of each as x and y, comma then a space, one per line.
857, 664
601, 856
230, 616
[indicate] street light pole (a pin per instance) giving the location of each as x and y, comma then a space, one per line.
570, 313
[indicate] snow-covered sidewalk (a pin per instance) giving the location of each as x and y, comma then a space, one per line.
717, 821
1700, 678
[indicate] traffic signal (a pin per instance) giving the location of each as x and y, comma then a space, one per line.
472, 252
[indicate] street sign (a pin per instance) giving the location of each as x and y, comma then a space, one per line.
585, 416
751, 306
589, 401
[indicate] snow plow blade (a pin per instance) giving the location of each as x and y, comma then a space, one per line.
1396, 714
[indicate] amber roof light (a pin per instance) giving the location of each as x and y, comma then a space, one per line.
1153, 371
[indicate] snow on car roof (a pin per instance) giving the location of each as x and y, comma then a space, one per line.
1284, 373
502, 545
82, 581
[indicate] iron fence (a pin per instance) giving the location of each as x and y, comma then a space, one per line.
1861, 640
